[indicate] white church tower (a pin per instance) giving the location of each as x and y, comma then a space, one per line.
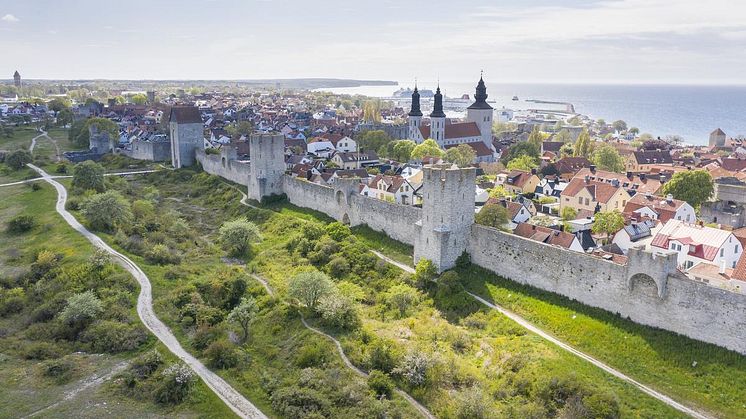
481, 113
414, 118
438, 120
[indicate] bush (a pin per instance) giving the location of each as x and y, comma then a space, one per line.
338, 231
12, 301
309, 287
81, 309
175, 383
414, 368
221, 354
338, 267
295, 402
205, 336
113, 337
381, 356
338, 311
145, 365
106, 210
311, 354
18, 159
41, 351
381, 384
88, 175
20, 224
162, 255
471, 404
59, 369
237, 236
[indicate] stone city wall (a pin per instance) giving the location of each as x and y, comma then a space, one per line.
219, 165
687, 307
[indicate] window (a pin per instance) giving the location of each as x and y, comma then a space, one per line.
580, 200
736, 251
722, 252
586, 201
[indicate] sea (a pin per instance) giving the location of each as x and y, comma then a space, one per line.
689, 111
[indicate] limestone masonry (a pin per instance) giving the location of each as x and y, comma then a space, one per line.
648, 289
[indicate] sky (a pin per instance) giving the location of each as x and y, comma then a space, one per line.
576, 41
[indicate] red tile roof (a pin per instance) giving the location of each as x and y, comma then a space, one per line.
457, 130
545, 235
666, 210
600, 191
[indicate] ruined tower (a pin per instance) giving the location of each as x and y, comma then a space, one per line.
267, 165
187, 134
447, 214
17, 79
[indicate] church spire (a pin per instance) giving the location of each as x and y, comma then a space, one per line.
480, 98
415, 102
438, 105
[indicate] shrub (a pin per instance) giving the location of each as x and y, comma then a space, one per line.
381, 384
12, 301
59, 369
175, 383
81, 309
338, 267
243, 314
295, 402
61, 168
145, 365
41, 351
414, 368
311, 354
44, 263
113, 337
401, 297
381, 356
237, 236
18, 159
204, 336
72, 203
221, 354
338, 311
471, 404
338, 231
162, 255
88, 175
20, 224
309, 287
106, 210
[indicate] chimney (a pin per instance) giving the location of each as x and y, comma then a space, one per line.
615, 183
593, 168
587, 179
533, 171
629, 175
642, 176
663, 179
669, 198
648, 195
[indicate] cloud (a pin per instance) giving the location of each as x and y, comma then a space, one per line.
9, 18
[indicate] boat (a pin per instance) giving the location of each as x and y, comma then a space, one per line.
515, 97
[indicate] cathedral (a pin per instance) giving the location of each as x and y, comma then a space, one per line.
476, 129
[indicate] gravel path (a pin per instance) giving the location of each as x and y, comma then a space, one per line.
541, 333
232, 398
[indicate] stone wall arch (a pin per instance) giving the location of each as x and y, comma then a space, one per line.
642, 283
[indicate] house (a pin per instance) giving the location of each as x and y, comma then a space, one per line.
549, 236
551, 186
349, 161
390, 188
589, 195
521, 182
658, 208
567, 167
636, 234
320, 148
642, 160
484, 154
632, 183
696, 244
344, 144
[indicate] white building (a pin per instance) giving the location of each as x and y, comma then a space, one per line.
696, 244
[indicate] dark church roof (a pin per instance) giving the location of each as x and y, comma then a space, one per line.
438, 105
480, 97
185, 115
415, 103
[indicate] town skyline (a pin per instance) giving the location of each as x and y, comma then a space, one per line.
593, 42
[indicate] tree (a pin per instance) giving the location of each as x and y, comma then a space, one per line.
237, 236
569, 213
525, 163
106, 210
694, 187
241, 128
57, 104
563, 135
536, 138
88, 175
309, 287
462, 155
608, 222
337, 310
81, 309
401, 297
372, 111
492, 215
500, 127
499, 191
619, 125
243, 314
403, 150
372, 140
79, 134
18, 159
139, 99
582, 146
413, 368
64, 117
645, 137
634, 130
601, 122
428, 148
521, 149
606, 157
381, 384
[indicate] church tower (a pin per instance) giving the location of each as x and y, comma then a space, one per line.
481, 113
17, 79
414, 118
438, 120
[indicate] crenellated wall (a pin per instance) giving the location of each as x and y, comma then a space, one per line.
645, 290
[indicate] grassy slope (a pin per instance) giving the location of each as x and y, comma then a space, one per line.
24, 389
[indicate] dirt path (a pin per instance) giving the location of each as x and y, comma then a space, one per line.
58, 156
84, 385
232, 398
545, 335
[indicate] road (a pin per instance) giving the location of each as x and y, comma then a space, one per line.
562, 345
232, 398
135, 172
